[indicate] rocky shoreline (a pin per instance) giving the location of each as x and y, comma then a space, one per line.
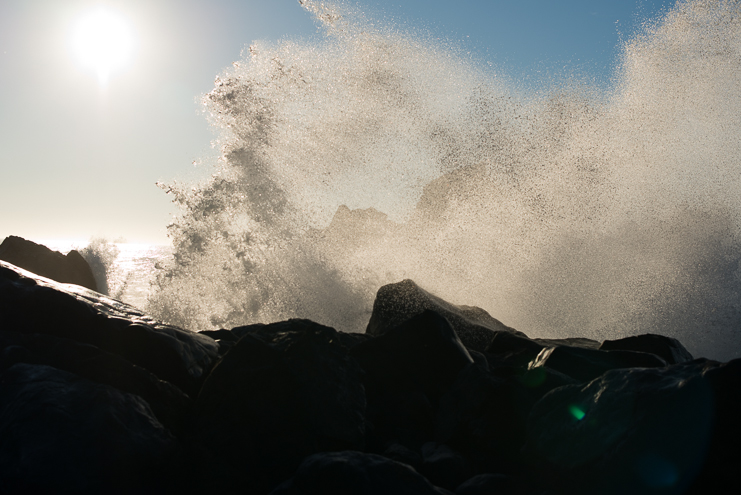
98, 397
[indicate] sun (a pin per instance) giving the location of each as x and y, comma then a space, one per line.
103, 42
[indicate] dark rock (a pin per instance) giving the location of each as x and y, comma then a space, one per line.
63, 434
720, 470
90, 398
443, 466
479, 358
170, 405
407, 370
355, 473
225, 338
396, 303
519, 350
587, 364
667, 348
486, 484
629, 431
221, 334
275, 334
516, 350
29, 304
541, 379
424, 349
579, 342
350, 340
68, 269
240, 332
284, 391
401, 453
484, 417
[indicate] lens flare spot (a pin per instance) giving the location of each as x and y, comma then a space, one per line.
656, 471
577, 412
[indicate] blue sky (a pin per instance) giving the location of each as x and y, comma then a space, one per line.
77, 160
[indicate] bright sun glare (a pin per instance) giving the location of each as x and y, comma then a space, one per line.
103, 42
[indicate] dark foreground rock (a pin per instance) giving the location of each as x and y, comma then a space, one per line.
69, 269
356, 473
396, 303
63, 434
168, 402
97, 397
283, 392
406, 371
670, 350
638, 430
30, 304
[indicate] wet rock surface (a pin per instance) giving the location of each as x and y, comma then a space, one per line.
30, 304
396, 303
97, 397
69, 269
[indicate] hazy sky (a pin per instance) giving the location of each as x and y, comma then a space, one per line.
78, 158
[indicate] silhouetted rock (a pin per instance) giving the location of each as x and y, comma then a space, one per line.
93, 399
587, 364
221, 334
485, 484
401, 453
63, 434
169, 403
284, 391
396, 303
514, 349
720, 469
407, 369
484, 417
356, 473
68, 269
667, 348
443, 466
629, 431
519, 349
31, 304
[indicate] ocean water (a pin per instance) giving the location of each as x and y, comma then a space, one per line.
563, 208
122, 270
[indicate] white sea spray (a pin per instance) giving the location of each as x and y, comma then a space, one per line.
571, 210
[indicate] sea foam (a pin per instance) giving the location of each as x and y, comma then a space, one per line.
566, 210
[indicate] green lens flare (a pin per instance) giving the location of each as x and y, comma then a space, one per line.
577, 412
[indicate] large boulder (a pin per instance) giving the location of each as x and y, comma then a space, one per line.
443, 466
32, 304
579, 359
169, 403
396, 303
720, 470
667, 348
484, 417
485, 484
640, 431
282, 392
69, 269
585, 365
60, 433
356, 473
407, 370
